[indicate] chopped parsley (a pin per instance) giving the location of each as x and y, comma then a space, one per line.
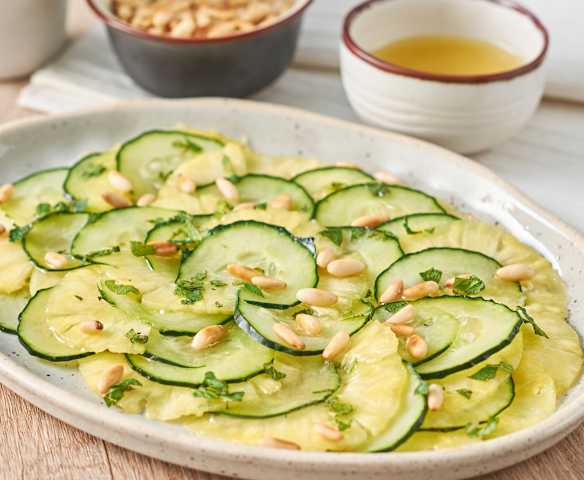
340, 412
250, 287
482, 430
468, 285
431, 275
116, 392
394, 307
136, 337
528, 319
187, 145
212, 388
261, 206
75, 206
274, 374
217, 283
140, 249
335, 235
121, 289
465, 392
92, 170
191, 290
17, 233
42, 209
357, 233
489, 372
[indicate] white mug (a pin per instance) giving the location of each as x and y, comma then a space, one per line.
31, 32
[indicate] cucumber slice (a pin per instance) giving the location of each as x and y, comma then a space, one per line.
41, 279
322, 181
54, 233
10, 307
45, 186
437, 327
148, 158
417, 223
258, 188
452, 262
346, 205
167, 322
258, 322
446, 420
376, 249
307, 381
486, 327
87, 180
410, 417
174, 362
36, 336
258, 245
117, 228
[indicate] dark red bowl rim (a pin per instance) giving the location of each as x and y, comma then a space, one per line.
408, 72
124, 27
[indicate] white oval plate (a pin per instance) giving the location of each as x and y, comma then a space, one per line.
30, 145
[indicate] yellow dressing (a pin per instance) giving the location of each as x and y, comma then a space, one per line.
449, 55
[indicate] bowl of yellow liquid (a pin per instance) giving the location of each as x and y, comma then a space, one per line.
466, 74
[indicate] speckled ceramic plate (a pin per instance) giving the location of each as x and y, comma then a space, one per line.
60, 140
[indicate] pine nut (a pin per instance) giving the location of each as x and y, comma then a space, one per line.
370, 221
164, 249
422, 289
347, 165
417, 347
208, 336
386, 177
184, 28
3, 229
435, 397
403, 330
328, 433
227, 189
111, 376
242, 272
115, 200
244, 206
345, 267
255, 13
119, 181
316, 297
283, 201
403, 315
273, 442
161, 18
91, 327
186, 185
325, 256
268, 283
203, 18
55, 260
221, 29
6, 192
336, 345
287, 334
516, 272
146, 199
308, 324
393, 292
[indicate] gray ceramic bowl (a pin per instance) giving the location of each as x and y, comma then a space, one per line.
231, 66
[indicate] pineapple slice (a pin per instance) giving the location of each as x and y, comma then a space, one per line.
15, 267
39, 280
424, 441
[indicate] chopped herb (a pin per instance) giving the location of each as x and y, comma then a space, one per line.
17, 233
394, 307
468, 285
379, 189
191, 290
99, 253
489, 372
275, 374
218, 304
250, 287
431, 275
343, 425
422, 389
163, 176
212, 388
217, 283
140, 249
93, 170
78, 297
222, 208
357, 233
121, 289
482, 430
340, 408
187, 145
465, 392
136, 337
261, 206
116, 392
531, 321
335, 235
42, 209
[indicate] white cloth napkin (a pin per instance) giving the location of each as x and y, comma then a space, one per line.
88, 74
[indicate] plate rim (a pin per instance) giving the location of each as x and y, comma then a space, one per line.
82, 414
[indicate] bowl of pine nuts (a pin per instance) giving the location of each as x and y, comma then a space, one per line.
193, 48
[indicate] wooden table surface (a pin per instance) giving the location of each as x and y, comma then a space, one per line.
35, 445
